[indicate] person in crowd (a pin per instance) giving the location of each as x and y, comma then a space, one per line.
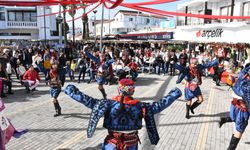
73, 66
133, 69
5, 81
192, 75
173, 60
82, 67
240, 107
91, 70
183, 58
46, 65
21, 71
166, 59
31, 79
123, 115
61, 64
158, 63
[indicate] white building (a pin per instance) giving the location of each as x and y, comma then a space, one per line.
23, 23
126, 21
206, 30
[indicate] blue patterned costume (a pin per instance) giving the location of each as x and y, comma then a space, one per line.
185, 74
127, 119
102, 68
238, 114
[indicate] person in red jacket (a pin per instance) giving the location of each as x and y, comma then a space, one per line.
31, 79
133, 69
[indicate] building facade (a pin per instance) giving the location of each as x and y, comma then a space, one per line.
23, 23
216, 30
125, 21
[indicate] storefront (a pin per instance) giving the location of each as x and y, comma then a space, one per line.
165, 36
237, 32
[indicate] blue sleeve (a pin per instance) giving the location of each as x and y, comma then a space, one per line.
108, 63
237, 88
95, 59
208, 65
166, 101
243, 72
179, 67
80, 97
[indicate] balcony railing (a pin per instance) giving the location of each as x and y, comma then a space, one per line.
20, 24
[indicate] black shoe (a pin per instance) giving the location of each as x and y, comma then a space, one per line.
233, 143
223, 121
195, 104
187, 111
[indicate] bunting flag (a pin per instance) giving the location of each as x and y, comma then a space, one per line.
116, 3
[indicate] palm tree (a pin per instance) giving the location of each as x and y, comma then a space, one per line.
85, 32
72, 14
64, 24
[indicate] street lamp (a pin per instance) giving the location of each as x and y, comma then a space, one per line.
95, 11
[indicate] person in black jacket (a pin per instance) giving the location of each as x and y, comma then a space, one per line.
183, 58
173, 60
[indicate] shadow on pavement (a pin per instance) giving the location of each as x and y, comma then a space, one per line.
142, 81
222, 114
62, 129
76, 115
98, 147
20, 95
186, 123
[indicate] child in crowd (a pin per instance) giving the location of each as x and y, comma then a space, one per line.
72, 70
21, 71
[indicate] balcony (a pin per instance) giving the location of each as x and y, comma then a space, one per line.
20, 24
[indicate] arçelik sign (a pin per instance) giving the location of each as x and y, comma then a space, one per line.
216, 33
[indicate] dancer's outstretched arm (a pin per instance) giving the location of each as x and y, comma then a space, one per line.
166, 101
80, 97
89, 55
209, 64
179, 67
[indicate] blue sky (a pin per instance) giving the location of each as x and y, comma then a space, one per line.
167, 6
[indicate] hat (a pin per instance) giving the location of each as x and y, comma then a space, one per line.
126, 87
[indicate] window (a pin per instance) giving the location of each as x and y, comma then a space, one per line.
26, 16
246, 9
130, 19
19, 16
2, 16
33, 17
225, 11
11, 16
93, 23
1, 8
147, 20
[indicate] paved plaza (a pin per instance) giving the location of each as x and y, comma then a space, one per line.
68, 132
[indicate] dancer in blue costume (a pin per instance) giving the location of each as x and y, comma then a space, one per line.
123, 115
192, 75
102, 72
240, 107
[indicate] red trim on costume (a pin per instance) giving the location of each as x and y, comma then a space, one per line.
127, 100
240, 104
